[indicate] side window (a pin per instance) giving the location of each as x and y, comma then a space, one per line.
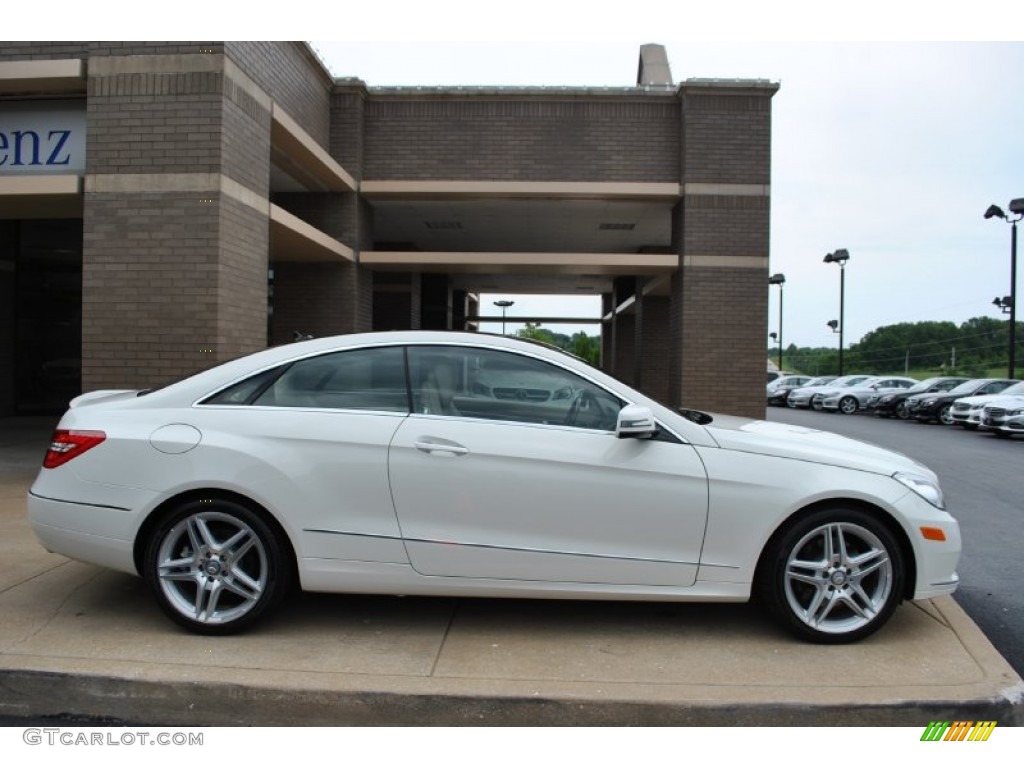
243, 392
504, 386
358, 379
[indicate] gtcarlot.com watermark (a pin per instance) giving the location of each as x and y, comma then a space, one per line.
76, 737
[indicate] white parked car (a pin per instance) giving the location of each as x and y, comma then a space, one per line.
435, 463
966, 412
1004, 417
804, 397
850, 399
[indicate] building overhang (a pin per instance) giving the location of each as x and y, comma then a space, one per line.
44, 77
521, 263
292, 239
51, 196
297, 154
518, 190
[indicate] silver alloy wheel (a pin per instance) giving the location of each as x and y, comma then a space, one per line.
946, 415
838, 578
848, 405
212, 567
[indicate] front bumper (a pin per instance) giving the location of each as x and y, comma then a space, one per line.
936, 560
1003, 423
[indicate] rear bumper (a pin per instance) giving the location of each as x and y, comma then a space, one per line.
57, 525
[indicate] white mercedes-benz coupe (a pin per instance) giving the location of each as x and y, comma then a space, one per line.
459, 464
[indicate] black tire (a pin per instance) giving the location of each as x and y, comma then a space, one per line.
848, 405
902, 411
830, 594
215, 566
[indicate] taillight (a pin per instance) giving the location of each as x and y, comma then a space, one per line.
66, 444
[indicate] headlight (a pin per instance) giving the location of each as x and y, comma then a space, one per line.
1016, 412
923, 486
929, 401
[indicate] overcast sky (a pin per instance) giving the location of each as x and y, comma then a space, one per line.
892, 151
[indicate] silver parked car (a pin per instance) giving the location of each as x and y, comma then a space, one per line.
849, 400
804, 397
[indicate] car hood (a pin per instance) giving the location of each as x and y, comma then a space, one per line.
1013, 401
986, 399
805, 444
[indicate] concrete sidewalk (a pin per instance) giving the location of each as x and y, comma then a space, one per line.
81, 640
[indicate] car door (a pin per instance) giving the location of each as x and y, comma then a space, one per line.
509, 468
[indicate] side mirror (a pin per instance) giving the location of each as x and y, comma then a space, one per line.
635, 421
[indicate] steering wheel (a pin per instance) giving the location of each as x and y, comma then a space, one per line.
583, 397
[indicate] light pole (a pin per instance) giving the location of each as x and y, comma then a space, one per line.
504, 304
778, 279
840, 257
994, 211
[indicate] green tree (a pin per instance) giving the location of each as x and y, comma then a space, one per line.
580, 344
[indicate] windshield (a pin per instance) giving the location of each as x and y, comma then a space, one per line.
967, 387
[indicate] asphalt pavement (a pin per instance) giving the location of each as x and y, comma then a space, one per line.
82, 641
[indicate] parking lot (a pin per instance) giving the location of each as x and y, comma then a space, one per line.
984, 487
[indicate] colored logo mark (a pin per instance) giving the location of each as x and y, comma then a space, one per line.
959, 730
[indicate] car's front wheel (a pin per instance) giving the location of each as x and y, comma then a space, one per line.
833, 576
848, 405
215, 566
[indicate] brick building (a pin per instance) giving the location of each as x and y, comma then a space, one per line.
157, 199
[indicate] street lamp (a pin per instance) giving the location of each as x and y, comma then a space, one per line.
504, 304
778, 279
840, 257
994, 211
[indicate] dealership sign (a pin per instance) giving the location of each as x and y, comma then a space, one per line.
42, 137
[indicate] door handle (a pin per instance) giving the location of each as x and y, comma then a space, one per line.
429, 446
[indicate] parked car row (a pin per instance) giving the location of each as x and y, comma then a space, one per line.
846, 394
992, 404
1002, 412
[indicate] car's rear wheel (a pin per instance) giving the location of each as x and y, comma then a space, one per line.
215, 566
833, 576
848, 405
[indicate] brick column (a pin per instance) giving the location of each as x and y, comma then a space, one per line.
719, 296
175, 218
